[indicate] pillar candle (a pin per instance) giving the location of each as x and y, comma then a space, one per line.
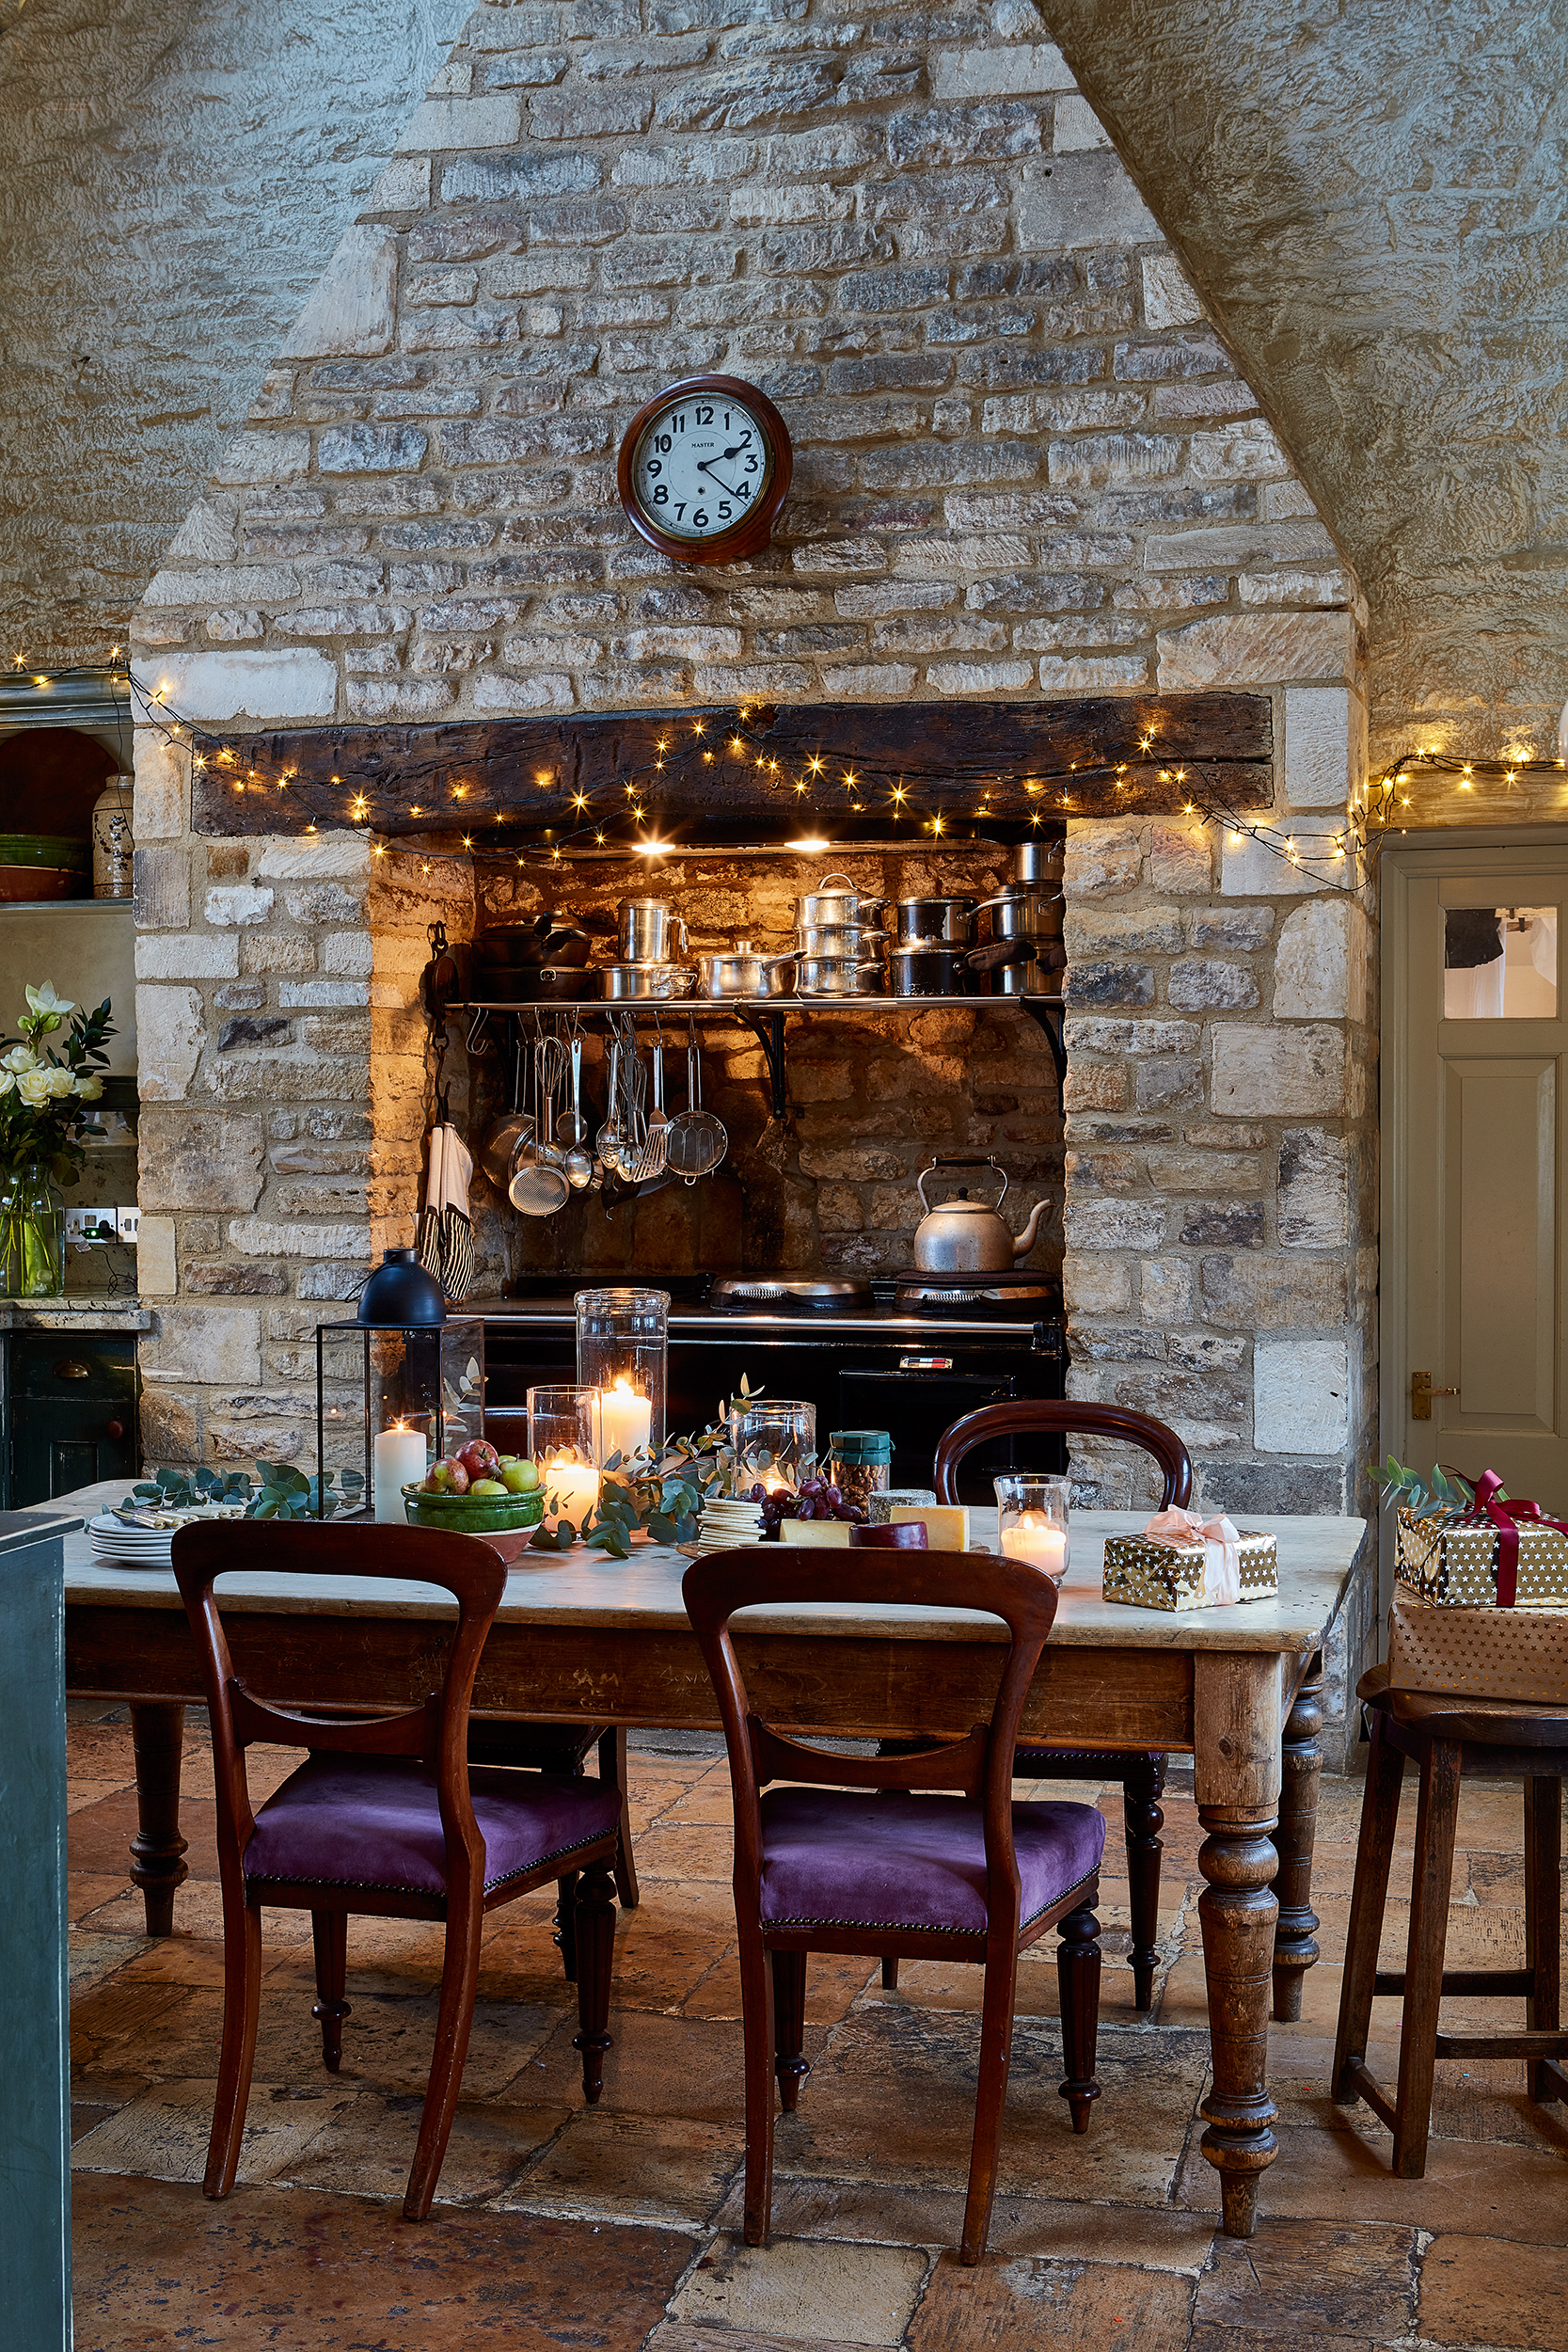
627, 1419
400, 1459
571, 1489
1035, 1539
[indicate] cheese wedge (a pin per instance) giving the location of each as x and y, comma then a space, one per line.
946, 1523
813, 1530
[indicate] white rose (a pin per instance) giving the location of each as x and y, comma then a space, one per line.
8, 1081
20, 1058
61, 1083
34, 1088
89, 1087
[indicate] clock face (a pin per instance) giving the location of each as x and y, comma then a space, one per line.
702, 464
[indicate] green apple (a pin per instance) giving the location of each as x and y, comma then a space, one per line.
486, 1487
518, 1476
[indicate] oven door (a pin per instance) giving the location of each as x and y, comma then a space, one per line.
917, 1406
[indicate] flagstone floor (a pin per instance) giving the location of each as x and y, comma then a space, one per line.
559, 2229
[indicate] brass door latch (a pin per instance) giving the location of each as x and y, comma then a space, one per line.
1421, 1394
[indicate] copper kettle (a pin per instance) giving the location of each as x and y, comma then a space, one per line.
966, 1237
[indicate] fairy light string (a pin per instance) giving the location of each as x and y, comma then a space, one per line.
936, 805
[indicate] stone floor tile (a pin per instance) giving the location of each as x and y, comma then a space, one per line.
164, 2134
91, 1958
834, 1981
685, 1851
633, 2167
296, 2271
98, 1837
671, 2336
1021, 2302
893, 2099
1477, 2289
834, 2294
885, 2213
1341, 2174
80, 1794
87, 1892
366, 2146
1312, 2281
387, 2043
658, 2066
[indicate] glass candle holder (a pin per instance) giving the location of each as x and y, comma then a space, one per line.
1032, 1520
564, 1439
774, 1443
623, 1345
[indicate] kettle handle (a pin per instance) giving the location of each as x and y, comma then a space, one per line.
942, 1161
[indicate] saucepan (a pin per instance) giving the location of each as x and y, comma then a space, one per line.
837, 939
662, 982
742, 971
836, 975
950, 920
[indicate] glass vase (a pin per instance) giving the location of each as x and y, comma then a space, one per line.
32, 1235
623, 1342
1032, 1520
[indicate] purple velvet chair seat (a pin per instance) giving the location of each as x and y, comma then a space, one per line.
373, 1822
835, 1857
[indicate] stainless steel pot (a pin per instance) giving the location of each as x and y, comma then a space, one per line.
829, 908
836, 975
837, 939
1024, 911
649, 927
931, 970
742, 972
950, 920
662, 982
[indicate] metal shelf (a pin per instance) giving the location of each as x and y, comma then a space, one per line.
765, 1016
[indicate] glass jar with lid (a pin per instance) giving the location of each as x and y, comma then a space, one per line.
859, 1463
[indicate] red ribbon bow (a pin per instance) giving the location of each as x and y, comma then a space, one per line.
1503, 1516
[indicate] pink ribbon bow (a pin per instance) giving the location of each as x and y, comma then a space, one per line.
1183, 1530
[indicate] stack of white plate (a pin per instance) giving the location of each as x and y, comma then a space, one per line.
131, 1547
726, 1524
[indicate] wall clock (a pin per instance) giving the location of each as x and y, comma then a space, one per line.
704, 468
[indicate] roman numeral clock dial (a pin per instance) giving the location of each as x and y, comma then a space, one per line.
704, 469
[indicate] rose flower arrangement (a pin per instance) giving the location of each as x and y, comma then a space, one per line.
44, 1125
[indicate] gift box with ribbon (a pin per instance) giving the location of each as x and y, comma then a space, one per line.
1183, 1561
1519, 1653
1502, 1553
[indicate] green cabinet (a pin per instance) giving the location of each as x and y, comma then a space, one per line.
71, 1403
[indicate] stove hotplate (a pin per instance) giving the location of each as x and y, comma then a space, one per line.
815, 1294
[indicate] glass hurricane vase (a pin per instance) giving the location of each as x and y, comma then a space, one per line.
32, 1235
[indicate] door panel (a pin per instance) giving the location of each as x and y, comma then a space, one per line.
1500, 1236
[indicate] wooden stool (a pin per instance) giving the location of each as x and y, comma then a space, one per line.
1450, 1740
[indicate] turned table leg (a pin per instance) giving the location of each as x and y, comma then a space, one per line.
1294, 1939
157, 1850
1236, 1738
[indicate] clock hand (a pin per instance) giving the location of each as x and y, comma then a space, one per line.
705, 465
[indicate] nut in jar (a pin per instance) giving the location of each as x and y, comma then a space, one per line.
859, 1463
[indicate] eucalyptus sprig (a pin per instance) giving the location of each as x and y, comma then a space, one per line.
284, 1493
1442, 1500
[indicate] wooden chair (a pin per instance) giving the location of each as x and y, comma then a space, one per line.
1141, 1777
963, 1876
386, 1817
1450, 1741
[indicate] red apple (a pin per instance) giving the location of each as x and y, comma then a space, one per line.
478, 1458
458, 1481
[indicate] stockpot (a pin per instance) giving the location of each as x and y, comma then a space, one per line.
930, 970
825, 907
950, 920
838, 939
835, 975
619, 981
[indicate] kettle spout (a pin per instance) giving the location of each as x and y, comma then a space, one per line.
1025, 1241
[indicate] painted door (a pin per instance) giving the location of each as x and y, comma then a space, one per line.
1479, 1200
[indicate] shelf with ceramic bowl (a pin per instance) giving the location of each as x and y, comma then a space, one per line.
765, 1017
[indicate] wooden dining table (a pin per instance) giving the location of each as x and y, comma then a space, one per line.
583, 1640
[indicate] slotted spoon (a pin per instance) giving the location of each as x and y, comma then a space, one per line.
697, 1139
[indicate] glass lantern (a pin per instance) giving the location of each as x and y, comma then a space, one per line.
391, 1398
1032, 1520
774, 1441
563, 1440
623, 1345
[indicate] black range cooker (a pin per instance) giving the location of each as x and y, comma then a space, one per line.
910, 1354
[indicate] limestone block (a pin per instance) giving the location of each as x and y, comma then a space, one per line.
170, 1431
1102, 674
1244, 452
1170, 298
200, 1160
157, 1277
1312, 1203
348, 954
1115, 1224
551, 690
1329, 585
350, 310
1257, 649
403, 187
337, 1278
1097, 1087
1180, 860
296, 994
169, 1031
1085, 199
262, 686
163, 889
215, 1346
263, 457
460, 124
255, 1237
1271, 1072
187, 955
1165, 1289
278, 858
237, 626
277, 951
371, 449
1242, 1489
1319, 966
1109, 984
1091, 929
207, 534
1250, 869
162, 773
1202, 984
269, 584
1022, 70
1222, 1224
1256, 1291
1301, 1397
1093, 1285
1075, 126
1169, 1084
1229, 927
1320, 770
1205, 1171
1103, 860
233, 903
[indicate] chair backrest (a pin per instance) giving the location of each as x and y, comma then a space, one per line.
1071, 1417
438, 1731
980, 1766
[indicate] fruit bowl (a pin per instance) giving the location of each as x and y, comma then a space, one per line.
473, 1515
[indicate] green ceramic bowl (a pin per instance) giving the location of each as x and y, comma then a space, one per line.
473, 1515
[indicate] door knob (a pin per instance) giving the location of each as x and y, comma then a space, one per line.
72, 1368
1421, 1394
115, 1431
